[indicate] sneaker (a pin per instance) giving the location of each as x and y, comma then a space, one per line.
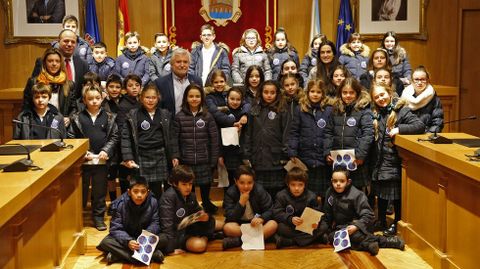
282, 242
391, 231
231, 242
100, 225
373, 248
157, 256
394, 242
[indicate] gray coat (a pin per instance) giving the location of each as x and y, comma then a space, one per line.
244, 58
159, 66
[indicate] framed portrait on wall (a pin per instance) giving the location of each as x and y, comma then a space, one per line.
406, 17
38, 21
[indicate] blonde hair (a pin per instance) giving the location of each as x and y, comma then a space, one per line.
392, 117
248, 31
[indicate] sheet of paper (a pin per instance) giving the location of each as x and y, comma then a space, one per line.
341, 240
148, 242
344, 157
189, 220
230, 136
298, 164
310, 217
252, 237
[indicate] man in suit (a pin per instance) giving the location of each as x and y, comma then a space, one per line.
47, 11
67, 40
172, 86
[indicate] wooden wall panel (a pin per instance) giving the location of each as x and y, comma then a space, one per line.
438, 53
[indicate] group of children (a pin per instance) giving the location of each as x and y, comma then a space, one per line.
149, 149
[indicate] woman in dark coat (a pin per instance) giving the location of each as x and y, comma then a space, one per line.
391, 116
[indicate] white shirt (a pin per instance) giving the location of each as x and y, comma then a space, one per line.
207, 55
179, 86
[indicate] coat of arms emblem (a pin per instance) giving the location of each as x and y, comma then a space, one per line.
220, 11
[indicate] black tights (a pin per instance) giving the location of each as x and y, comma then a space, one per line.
382, 209
205, 194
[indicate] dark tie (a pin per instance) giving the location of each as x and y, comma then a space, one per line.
69, 69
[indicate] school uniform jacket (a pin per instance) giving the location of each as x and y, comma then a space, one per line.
306, 139
287, 206
66, 102
103, 69
387, 162
173, 208
308, 62
75, 130
266, 138
196, 138
355, 62
366, 79
351, 129
260, 201
129, 140
125, 65
53, 119
128, 219
348, 208
277, 56
216, 100
159, 66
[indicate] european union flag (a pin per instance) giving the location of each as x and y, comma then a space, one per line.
345, 23
92, 34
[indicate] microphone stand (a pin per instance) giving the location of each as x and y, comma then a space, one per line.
437, 139
55, 146
20, 165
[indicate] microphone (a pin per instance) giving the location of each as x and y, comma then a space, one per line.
55, 146
20, 165
438, 139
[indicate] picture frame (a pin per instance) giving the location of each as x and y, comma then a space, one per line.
372, 21
20, 28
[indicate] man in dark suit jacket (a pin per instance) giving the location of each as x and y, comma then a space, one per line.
68, 41
50, 12
172, 86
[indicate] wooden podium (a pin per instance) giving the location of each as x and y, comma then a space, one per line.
440, 201
41, 224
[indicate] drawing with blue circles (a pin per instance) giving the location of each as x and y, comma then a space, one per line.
341, 240
345, 158
148, 242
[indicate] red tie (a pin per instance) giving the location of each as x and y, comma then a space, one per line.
69, 69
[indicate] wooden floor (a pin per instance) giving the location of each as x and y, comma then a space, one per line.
319, 256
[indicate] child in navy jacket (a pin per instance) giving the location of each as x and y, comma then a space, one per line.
134, 211
288, 209
179, 202
246, 202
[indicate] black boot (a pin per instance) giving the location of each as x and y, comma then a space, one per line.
282, 242
373, 248
157, 256
231, 242
391, 231
392, 242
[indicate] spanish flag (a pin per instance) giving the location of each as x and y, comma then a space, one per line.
123, 24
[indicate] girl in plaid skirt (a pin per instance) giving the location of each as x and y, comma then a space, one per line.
197, 141
146, 139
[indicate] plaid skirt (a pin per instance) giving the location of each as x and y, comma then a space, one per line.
153, 165
387, 189
271, 178
318, 182
203, 174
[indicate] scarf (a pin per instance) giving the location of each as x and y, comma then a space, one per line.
47, 78
419, 101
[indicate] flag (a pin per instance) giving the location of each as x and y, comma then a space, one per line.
92, 34
345, 23
123, 24
315, 21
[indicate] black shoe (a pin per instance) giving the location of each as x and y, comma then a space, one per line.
231, 242
390, 209
100, 225
157, 256
218, 235
111, 258
391, 231
379, 226
282, 242
373, 248
393, 242
209, 207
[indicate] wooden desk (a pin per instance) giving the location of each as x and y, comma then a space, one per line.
440, 201
41, 223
